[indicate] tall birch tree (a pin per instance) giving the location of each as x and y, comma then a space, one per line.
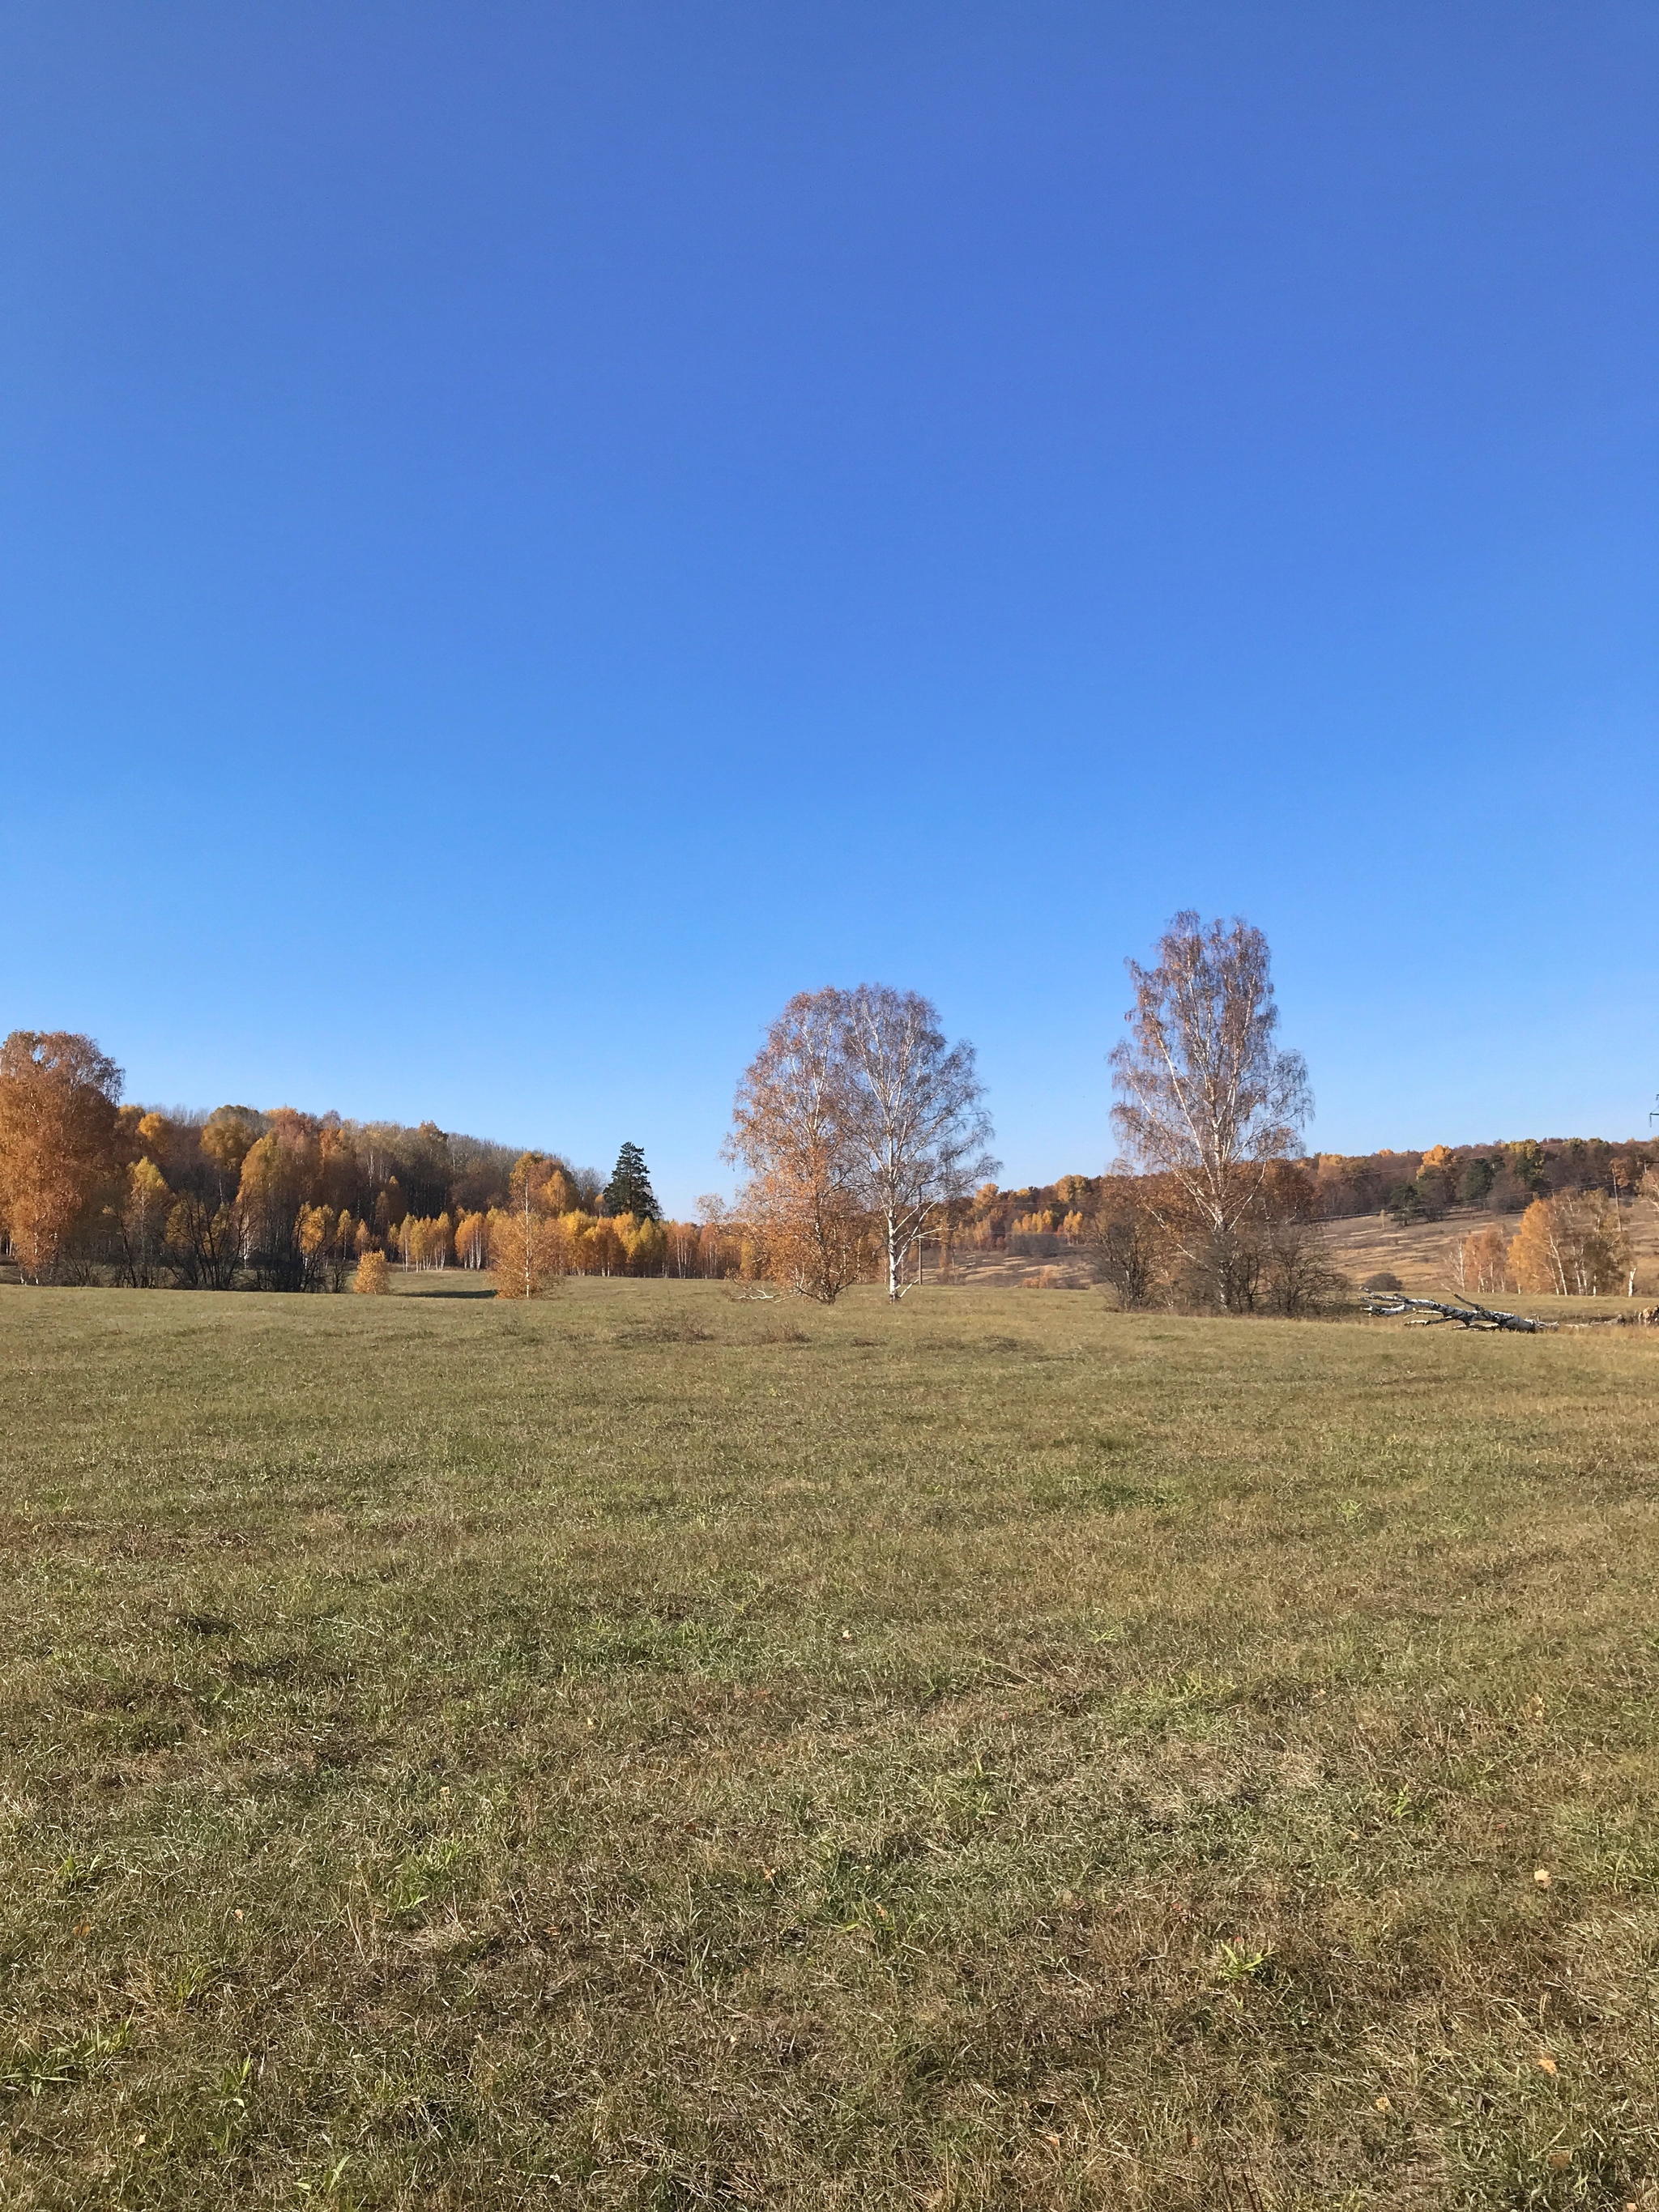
857, 1122
1207, 1098
915, 1125
788, 1132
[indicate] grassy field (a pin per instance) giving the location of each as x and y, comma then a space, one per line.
647, 1749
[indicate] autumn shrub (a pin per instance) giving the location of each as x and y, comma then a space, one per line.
1130, 1246
807, 1233
373, 1276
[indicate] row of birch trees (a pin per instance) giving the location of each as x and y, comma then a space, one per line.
1576, 1245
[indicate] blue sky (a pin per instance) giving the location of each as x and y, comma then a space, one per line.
528, 533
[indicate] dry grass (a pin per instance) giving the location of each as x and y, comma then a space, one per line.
645, 1750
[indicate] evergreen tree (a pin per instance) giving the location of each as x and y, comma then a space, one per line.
629, 1190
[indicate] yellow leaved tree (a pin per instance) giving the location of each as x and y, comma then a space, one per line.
1482, 1263
1574, 1246
524, 1254
143, 1224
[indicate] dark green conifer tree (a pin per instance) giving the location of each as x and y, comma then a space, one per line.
629, 1190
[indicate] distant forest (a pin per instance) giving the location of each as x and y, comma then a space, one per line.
91, 1190
1038, 1220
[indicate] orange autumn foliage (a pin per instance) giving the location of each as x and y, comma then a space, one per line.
527, 1253
1483, 1262
58, 1139
1574, 1246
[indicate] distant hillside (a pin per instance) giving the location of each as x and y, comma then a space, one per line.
1422, 1256
1406, 1188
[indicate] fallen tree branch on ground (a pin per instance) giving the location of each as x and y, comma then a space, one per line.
1430, 1313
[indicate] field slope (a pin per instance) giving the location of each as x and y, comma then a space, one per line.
651, 1750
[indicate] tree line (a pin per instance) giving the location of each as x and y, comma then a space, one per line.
1043, 1219
858, 1130
1215, 1207
1501, 1178
858, 1125
1573, 1243
1577, 1244
91, 1190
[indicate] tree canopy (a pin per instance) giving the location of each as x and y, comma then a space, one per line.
858, 1121
629, 1190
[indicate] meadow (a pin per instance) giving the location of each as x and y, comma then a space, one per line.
651, 1748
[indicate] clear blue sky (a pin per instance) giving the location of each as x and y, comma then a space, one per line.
529, 532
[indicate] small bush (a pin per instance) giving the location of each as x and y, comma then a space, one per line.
1384, 1281
374, 1276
